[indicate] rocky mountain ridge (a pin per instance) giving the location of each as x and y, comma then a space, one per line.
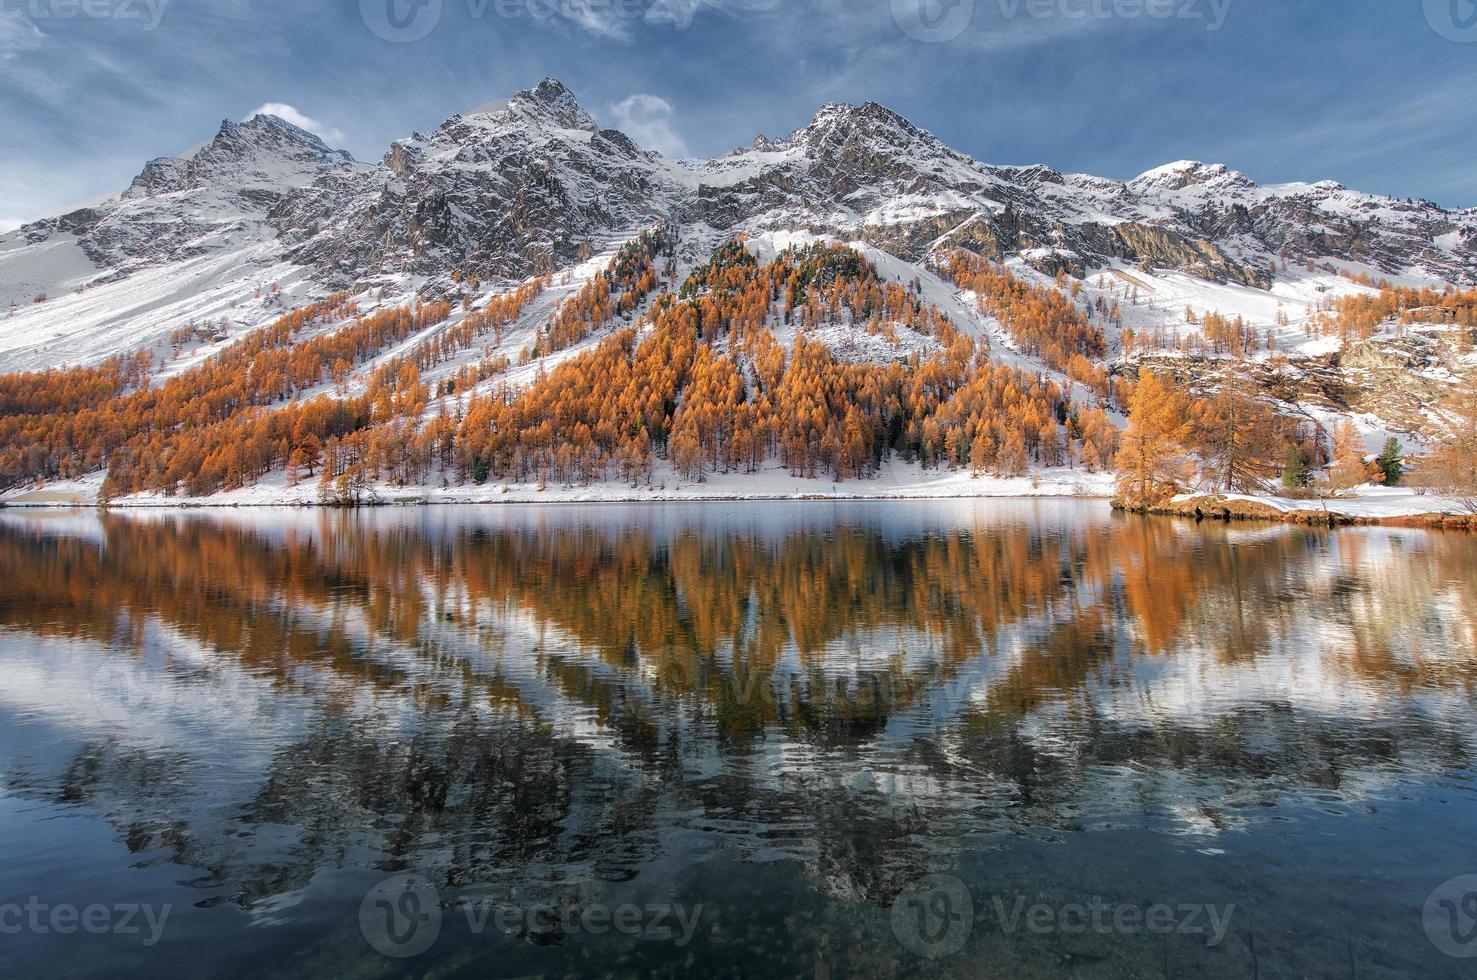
533, 184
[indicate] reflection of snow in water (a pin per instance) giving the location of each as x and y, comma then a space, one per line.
873, 724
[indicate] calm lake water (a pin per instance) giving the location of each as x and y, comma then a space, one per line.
813, 740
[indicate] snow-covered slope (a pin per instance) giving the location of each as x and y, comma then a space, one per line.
533, 184
189, 241
507, 190
866, 171
264, 216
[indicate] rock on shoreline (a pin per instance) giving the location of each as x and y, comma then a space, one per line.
1221, 507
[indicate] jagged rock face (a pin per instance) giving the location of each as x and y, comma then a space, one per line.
1298, 222
523, 186
1392, 379
210, 199
504, 191
262, 157
861, 170
867, 172
1164, 248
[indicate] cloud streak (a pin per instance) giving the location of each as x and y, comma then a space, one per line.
86, 102
329, 134
17, 34
648, 119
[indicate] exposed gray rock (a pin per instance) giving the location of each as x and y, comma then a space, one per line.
529, 184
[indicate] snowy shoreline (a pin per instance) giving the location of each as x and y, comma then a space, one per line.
1368, 505
895, 481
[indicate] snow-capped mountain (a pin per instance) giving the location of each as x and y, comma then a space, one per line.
533, 184
182, 206
500, 191
866, 171
180, 245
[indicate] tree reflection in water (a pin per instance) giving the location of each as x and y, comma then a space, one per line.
541, 699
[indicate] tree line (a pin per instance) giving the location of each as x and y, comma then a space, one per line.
700, 380
1234, 441
704, 382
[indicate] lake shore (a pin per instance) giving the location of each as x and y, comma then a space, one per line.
1389, 506
894, 481
1385, 506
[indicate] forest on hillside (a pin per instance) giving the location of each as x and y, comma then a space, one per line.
694, 372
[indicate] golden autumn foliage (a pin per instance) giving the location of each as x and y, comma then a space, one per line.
1453, 463
705, 382
699, 378
1042, 320
1358, 317
1153, 462
154, 437
1350, 468
615, 291
1230, 441
42, 392
1239, 438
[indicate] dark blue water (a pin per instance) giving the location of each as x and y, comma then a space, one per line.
810, 740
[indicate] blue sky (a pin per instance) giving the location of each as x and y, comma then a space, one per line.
1379, 94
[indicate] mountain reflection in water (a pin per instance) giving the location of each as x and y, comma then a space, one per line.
788, 714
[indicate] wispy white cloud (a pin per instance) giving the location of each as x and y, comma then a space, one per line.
17, 34
599, 19
679, 14
19, 37
647, 119
288, 113
618, 21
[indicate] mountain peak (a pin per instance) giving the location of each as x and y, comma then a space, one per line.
266, 136
550, 89
512, 185
266, 122
842, 113
553, 100
837, 123
1190, 173
263, 149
